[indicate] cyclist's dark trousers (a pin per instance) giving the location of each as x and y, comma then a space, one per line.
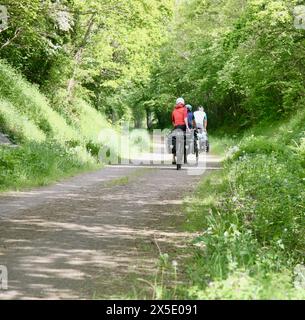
181, 128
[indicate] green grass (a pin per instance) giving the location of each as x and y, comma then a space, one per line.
128, 179
30, 103
221, 144
52, 144
90, 122
239, 285
39, 164
249, 221
117, 182
18, 126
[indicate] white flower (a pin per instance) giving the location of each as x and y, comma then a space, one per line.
64, 21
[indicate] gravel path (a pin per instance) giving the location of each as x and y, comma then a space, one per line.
94, 235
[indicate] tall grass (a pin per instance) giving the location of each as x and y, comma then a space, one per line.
52, 144
90, 122
38, 164
30, 103
19, 127
219, 145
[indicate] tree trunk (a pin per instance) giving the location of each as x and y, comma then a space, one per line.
149, 119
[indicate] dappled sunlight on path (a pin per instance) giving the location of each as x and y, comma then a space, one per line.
87, 237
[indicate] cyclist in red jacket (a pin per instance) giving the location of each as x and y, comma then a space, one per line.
180, 122
179, 115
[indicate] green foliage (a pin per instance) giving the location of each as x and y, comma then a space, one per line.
259, 145
29, 102
240, 286
50, 147
221, 143
93, 49
40, 163
89, 121
242, 60
267, 193
18, 126
35, 35
112, 46
250, 217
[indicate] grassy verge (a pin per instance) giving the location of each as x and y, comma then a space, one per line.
38, 164
219, 145
248, 222
250, 238
52, 142
250, 218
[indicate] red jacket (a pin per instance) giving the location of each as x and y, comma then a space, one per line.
179, 114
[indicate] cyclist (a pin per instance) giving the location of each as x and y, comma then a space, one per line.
190, 116
201, 122
201, 119
180, 122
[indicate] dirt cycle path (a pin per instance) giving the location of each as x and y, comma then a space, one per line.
94, 235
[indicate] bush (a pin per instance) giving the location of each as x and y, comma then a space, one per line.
93, 148
268, 196
259, 145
